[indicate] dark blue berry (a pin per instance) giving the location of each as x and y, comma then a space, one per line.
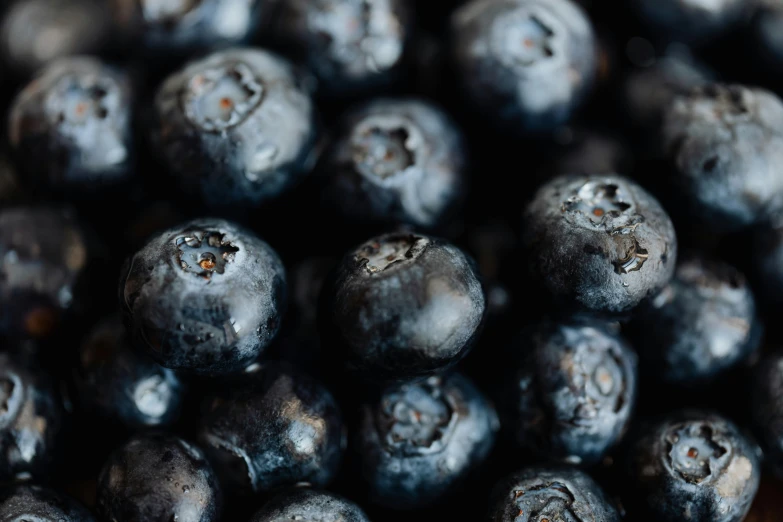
396, 161
527, 64
722, 143
767, 256
570, 393
403, 305
766, 403
601, 243
275, 427
78, 111
417, 442
35, 503
235, 128
767, 31
123, 384
551, 494
690, 21
702, 324
308, 505
205, 297
694, 466
158, 478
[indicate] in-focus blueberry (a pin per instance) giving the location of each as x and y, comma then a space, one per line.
36, 503
403, 305
70, 128
205, 297
236, 128
601, 243
396, 161
309, 505
526, 64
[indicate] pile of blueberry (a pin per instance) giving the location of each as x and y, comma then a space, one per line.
353, 260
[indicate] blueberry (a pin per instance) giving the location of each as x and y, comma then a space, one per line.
690, 21
158, 478
205, 297
695, 466
35, 32
351, 45
235, 128
10, 190
31, 417
767, 30
396, 161
78, 110
161, 28
571, 391
403, 305
767, 257
723, 142
123, 384
766, 403
36, 503
276, 427
418, 442
702, 324
601, 243
308, 505
43, 261
551, 494
527, 63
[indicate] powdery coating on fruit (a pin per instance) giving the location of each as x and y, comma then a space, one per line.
35, 32
725, 143
691, 21
602, 243
695, 466
30, 420
528, 63
159, 478
189, 316
277, 428
161, 26
235, 127
124, 384
350, 44
307, 505
767, 409
36, 503
702, 324
43, 255
397, 161
537, 494
79, 111
408, 318
419, 441
572, 393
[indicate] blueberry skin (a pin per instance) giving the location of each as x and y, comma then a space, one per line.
40, 504
72, 27
600, 243
277, 427
702, 324
694, 466
418, 441
723, 143
43, 260
352, 46
205, 297
235, 128
123, 384
78, 110
31, 416
184, 28
528, 88
767, 29
571, 392
690, 21
308, 505
550, 493
402, 306
767, 409
396, 161
158, 478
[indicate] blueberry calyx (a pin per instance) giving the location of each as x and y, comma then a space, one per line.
550, 499
525, 39
382, 150
696, 452
378, 256
205, 255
